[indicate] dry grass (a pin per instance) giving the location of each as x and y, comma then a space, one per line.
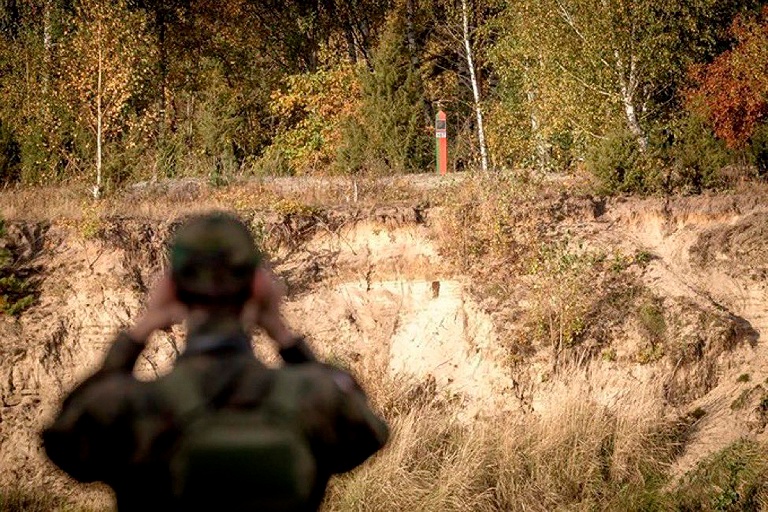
579, 454
170, 199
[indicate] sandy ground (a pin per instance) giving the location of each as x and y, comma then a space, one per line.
377, 293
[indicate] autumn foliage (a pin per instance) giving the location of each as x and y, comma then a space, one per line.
732, 91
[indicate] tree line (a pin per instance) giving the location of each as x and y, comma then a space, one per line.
648, 95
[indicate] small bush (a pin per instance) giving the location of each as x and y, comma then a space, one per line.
18, 290
273, 162
620, 166
695, 156
562, 278
10, 155
643, 258
734, 479
741, 401
652, 321
758, 150
683, 156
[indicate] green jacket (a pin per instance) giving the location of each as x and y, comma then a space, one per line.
124, 432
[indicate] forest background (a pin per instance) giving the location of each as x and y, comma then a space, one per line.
647, 96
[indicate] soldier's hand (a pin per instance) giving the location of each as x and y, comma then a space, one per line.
263, 309
163, 310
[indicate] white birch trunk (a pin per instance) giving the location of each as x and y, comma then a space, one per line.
475, 88
542, 155
627, 88
47, 43
97, 187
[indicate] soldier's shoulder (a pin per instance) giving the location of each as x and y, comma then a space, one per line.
326, 378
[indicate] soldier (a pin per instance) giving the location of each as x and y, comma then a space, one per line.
220, 431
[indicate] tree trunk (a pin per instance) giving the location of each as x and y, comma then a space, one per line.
47, 43
632, 122
163, 64
97, 187
160, 27
628, 88
475, 88
542, 154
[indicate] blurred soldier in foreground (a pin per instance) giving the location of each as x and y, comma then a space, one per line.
221, 431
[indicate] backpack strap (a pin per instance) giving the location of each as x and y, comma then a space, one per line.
183, 388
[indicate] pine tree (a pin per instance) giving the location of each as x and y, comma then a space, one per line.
389, 133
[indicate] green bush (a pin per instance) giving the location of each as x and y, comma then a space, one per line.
651, 317
683, 156
273, 162
758, 150
17, 290
695, 156
10, 155
620, 166
735, 478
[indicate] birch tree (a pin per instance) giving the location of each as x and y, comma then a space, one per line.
599, 64
452, 71
475, 86
104, 69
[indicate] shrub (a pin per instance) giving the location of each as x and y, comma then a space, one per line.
758, 150
695, 156
683, 156
732, 479
561, 280
652, 321
17, 290
620, 166
10, 155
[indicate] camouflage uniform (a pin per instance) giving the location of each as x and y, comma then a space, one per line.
124, 432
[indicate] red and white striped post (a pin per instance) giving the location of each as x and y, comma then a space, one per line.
441, 144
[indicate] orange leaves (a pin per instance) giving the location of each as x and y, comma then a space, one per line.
732, 91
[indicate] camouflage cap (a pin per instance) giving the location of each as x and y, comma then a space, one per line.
213, 258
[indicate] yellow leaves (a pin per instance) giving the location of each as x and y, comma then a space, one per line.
105, 40
325, 92
310, 111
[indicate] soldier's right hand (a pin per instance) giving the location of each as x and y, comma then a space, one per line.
163, 310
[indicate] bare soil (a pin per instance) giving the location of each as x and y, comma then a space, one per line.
372, 289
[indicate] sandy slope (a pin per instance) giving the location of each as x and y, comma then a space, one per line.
376, 294
696, 262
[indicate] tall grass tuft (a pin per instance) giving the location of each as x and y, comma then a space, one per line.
580, 452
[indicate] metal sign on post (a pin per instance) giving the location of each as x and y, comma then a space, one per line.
441, 144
